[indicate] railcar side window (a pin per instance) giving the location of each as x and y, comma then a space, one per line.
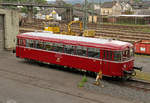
82, 51
70, 49
94, 52
39, 44
36, 43
29, 43
107, 55
21, 42
24, 42
58, 47
17, 43
117, 55
48, 46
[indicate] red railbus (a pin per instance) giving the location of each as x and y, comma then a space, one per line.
113, 58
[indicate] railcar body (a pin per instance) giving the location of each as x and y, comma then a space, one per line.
113, 58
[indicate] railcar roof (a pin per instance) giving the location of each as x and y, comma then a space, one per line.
103, 42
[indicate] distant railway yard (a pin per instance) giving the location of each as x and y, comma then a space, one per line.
129, 33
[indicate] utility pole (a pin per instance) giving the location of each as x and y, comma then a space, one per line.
92, 11
85, 15
100, 15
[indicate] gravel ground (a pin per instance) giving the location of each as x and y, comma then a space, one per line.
110, 89
27, 82
120, 92
124, 92
144, 61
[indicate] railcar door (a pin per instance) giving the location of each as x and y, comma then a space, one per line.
94, 56
20, 43
106, 64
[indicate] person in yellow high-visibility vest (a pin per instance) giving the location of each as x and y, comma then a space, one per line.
98, 78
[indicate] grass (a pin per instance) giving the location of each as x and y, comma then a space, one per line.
83, 81
143, 76
81, 84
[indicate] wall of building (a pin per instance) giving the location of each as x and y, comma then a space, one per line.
116, 9
11, 27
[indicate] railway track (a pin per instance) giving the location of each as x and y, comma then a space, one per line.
119, 35
133, 83
137, 84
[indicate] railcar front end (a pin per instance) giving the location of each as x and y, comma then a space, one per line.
121, 64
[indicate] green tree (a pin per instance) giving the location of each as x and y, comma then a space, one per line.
24, 10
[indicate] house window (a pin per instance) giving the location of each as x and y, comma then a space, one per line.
104, 12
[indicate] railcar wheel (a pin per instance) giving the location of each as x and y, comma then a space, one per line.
27, 60
127, 77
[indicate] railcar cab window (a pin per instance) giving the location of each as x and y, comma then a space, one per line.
131, 52
107, 55
81, 50
70, 49
94, 52
128, 53
58, 47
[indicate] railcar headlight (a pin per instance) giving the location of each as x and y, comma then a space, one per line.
124, 66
